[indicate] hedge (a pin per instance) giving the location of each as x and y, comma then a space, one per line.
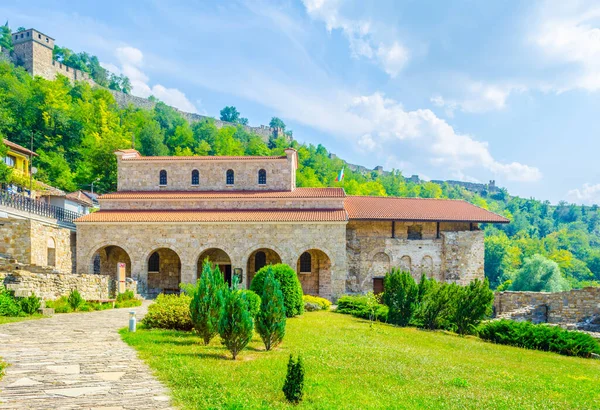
290, 287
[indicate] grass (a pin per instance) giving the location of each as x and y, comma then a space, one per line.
12, 319
348, 365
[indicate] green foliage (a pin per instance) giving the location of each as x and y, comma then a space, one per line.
236, 326
169, 312
9, 306
293, 387
359, 306
127, 295
471, 304
254, 302
271, 319
207, 302
60, 305
290, 287
322, 303
539, 337
539, 274
124, 304
6, 41
401, 296
436, 305
231, 114
30, 304
75, 300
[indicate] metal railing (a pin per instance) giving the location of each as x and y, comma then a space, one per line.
35, 206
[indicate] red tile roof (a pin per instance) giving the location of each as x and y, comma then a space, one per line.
200, 158
288, 215
296, 193
18, 148
417, 209
80, 197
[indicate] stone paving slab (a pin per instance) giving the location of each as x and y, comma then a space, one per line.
76, 361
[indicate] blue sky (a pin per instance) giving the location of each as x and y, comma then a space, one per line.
471, 90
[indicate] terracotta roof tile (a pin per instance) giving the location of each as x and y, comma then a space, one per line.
202, 158
417, 209
19, 148
290, 215
79, 196
296, 193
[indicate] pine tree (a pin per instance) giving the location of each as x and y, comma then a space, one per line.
270, 321
207, 301
236, 326
293, 388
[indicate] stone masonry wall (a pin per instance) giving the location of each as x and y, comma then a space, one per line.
457, 256
562, 307
144, 175
238, 240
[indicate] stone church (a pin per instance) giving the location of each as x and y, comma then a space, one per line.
171, 213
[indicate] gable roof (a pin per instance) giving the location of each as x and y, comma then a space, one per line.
16, 147
297, 193
417, 209
80, 197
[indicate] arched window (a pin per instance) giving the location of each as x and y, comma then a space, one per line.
305, 262
260, 260
163, 177
51, 254
230, 177
154, 263
262, 177
195, 177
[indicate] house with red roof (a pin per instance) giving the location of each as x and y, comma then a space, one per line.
169, 214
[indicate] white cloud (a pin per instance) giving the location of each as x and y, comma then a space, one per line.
588, 194
131, 61
569, 33
478, 97
362, 35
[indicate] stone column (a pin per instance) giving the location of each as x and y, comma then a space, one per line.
139, 274
188, 272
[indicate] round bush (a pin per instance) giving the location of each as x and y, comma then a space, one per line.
253, 302
290, 287
169, 312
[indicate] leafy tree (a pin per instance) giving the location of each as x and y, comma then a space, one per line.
271, 319
207, 302
230, 114
289, 283
293, 387
472, 303
236, 326
435, 305
6, 41
401, 296
539, 274
5, 170
277, 123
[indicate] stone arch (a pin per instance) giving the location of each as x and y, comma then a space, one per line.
105, 259
168, 276
217, 257
271, 257
51, 252
427, 266
318, 280
406, 263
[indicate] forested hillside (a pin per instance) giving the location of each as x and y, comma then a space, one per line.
77, 128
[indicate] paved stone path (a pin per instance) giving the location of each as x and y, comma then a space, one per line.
76, 361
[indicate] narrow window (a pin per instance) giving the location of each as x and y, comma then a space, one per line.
163, 177
154, 263
97, 264
260, 260
415, 232
195, 177
230, 177
305, 263
39, 36
262, 177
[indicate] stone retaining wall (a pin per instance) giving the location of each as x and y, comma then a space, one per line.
561, 307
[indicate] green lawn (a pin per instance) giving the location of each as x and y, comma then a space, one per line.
11, 319
350, 366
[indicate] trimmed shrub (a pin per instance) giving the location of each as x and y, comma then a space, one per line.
290, 287
293, 387
236, 326
539, 337
127, 295
323, 303
254, 302
169, 312
75, 300
401, 296
270, 322
30, 304
9, 306
359, 306
471, 304
207, 301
